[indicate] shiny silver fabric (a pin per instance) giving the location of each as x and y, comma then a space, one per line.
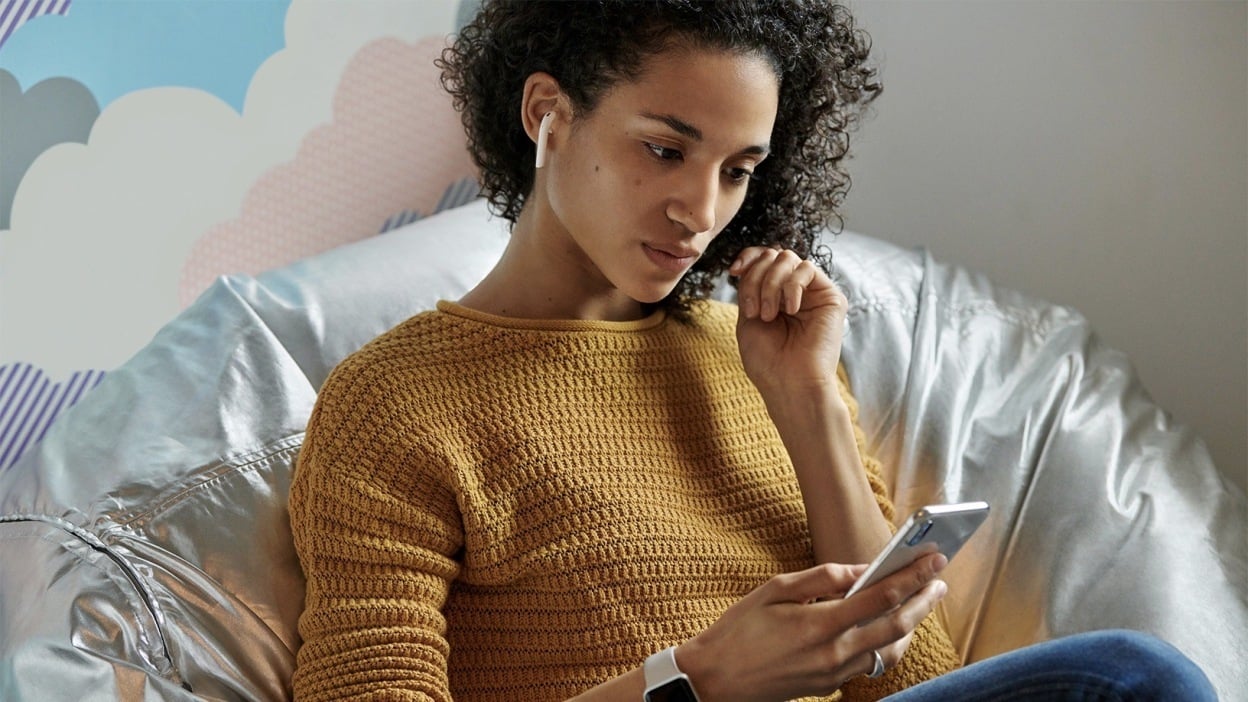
145, 554
1105, 512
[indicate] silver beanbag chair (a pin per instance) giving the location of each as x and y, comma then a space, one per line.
144, 546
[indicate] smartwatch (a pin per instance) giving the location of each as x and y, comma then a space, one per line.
664, 681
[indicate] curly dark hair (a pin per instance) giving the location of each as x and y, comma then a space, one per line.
818, 52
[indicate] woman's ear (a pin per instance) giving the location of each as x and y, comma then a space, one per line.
542, 96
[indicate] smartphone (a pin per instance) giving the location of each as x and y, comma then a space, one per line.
933, 528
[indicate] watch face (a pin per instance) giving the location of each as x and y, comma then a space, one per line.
677, 690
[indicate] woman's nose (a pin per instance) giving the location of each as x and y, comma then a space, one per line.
694, 204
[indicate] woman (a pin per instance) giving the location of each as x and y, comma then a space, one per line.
583, 478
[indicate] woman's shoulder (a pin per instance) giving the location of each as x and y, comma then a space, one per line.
399, 354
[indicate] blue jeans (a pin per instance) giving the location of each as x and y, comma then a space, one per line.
1102, 665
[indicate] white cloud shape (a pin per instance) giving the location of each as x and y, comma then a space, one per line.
389, 147
91, 266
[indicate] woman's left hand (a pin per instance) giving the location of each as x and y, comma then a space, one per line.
791, 321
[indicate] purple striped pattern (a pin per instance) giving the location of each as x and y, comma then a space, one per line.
29, 402
461, 192
401, 218
15, 13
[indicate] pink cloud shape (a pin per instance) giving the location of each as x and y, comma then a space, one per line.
395, 143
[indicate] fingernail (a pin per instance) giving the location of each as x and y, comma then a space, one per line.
941, 588
939, 562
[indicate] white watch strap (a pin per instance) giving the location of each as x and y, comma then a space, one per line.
661, 667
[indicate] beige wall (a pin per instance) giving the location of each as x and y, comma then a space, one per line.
1094, 154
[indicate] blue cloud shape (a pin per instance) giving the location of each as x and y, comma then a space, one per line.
118, 46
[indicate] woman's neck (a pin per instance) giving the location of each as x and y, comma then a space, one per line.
543, 275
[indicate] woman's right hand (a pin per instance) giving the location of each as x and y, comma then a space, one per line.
795, 636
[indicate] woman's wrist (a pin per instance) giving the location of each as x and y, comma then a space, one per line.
702, 674
778, 390
812, 409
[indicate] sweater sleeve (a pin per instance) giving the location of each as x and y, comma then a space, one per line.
376, 537
931, 652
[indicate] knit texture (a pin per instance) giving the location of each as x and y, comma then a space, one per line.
497, 509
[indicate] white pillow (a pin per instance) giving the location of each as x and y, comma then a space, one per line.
327, 306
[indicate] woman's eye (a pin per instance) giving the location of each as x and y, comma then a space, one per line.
740, 175
663, 153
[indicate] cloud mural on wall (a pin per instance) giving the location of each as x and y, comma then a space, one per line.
30, 402
385, 149
15, 13
91, 264
53, 111
108, 49
115, 47
93, 260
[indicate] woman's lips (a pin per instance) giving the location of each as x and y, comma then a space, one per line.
674, 262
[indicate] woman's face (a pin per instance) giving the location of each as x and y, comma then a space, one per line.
642, 184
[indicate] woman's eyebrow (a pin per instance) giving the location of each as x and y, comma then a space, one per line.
678, 125
685, 129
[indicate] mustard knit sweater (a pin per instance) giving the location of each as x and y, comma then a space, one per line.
499, 509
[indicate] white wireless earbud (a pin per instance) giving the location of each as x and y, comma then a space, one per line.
542, 132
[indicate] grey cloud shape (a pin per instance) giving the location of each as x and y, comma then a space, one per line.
51, 112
